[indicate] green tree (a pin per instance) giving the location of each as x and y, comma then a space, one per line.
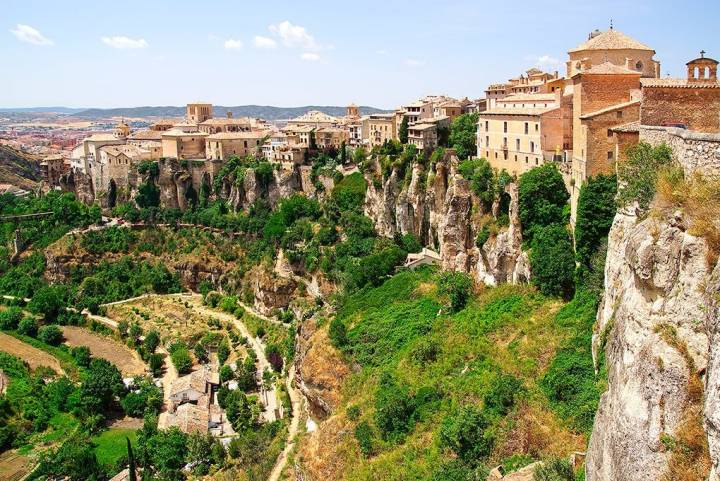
456, 286
131, 461
151, 342
51, 335
223, 351
595, 214
542, 199
148, 195
81, 354
394, 408
482, 179
463, 131
466, 433
168, 453
180, 357
639, 173
28, 327
552, 261
403, 130
10, 318
48, 301
101, 384
74, 460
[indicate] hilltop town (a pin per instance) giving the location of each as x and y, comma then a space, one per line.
517, 287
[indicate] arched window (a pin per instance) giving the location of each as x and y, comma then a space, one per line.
639, 65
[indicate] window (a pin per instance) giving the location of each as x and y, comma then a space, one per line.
532, 146
487, 141
537, 127
517, 143
516, 158
526, 129
609, 133
487, 126
505, 127
639, 65
619, 114
610, 155
526, 159
537, 161
505, 154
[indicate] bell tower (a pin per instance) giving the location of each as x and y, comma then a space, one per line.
702, 69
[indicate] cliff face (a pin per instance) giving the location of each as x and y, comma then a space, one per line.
658, 323
439, 208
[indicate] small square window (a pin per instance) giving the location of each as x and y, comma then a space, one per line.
610, 155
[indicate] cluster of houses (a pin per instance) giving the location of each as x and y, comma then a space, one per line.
612, 95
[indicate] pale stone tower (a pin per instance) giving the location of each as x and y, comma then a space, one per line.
353, 111
199, 112
122, 130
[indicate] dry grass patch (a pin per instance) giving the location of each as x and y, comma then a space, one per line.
32, 355
126, 360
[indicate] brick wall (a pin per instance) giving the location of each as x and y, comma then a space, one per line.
697, 108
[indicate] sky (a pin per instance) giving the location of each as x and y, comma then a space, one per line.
307, 52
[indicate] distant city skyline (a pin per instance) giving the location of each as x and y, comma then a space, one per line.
381, 54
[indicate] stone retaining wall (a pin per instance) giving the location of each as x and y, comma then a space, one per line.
695, 151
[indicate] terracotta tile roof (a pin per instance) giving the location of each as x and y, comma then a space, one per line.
611, 40
609, 109
146, 135
518, 111
191, 418
256, 134
680, 83
227, 121
180, 133
631, 127
526, 97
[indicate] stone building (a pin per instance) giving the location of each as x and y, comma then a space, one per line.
228, 124
314, 119
223, 145
199, 112
114, 164
331, 137
183, 145
52, 168
379, 128
612, 46
423, 136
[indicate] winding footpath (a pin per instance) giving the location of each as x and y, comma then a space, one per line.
297, 406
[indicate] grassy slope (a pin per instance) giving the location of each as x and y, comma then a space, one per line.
18, 168
508, 329
111, 445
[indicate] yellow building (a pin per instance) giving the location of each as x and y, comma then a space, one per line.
331, 137
314, 119
379, 128
423, 136
228, 124
223, 145
183, 145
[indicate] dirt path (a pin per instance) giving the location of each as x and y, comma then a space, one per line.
169, 376
258, 314
126, 360
297, 407
33, 356
269, 396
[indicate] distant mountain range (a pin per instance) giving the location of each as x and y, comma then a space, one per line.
267, 112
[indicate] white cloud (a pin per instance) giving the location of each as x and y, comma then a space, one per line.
311, 57
294, 36
544, 61
25, 33
121, 42
264, 42
413, 62
233, 44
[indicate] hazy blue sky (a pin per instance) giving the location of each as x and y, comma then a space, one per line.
299, 52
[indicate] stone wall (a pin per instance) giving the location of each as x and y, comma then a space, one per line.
694, 151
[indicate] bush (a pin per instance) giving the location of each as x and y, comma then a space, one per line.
10, 318
223, 351
638, 175
542, 199
338, 333
81, 354
465, 433
500, 398
48, 301
394, 409
28, 327
364, 435
349, 193
481, 177
156, 363
595, 213
482, 236
554, 470
180, 357
463, 132
51, 335
552, 261
456, 286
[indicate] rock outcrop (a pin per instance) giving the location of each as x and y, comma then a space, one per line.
657, 328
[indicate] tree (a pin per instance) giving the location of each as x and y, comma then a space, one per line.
102, 383
639, 173
148, 195
552, 261
466, 433
48, 301
595, 214
542, 199
201, 354
223, 351
455, 285
51, 335
131, 461
403, 131
112, 194
10, 318
181, 357
239, 411
74, 460
156, 362
463, 132
482, 179
394, 408
81, 354
151, 342
168, 452
28, 327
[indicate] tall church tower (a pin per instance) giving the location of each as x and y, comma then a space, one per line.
353, 111
122, 130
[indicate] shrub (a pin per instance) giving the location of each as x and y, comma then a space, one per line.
504, 390
595, 213
181, 357
465, 433
542, 198
638, 174
463, 135
482, 236
394, 409
349, 193
48, 301
456, 286
51, 335
156, 363
481, 177
10, 318
151, 342
28, 327
81, 354
364, 435
552, 261
338, 333
426, 350
223, 351
554, 470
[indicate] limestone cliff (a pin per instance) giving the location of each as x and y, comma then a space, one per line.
437, 205
658, 325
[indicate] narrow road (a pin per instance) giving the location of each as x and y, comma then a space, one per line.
269, 396
297, 407
169, 376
